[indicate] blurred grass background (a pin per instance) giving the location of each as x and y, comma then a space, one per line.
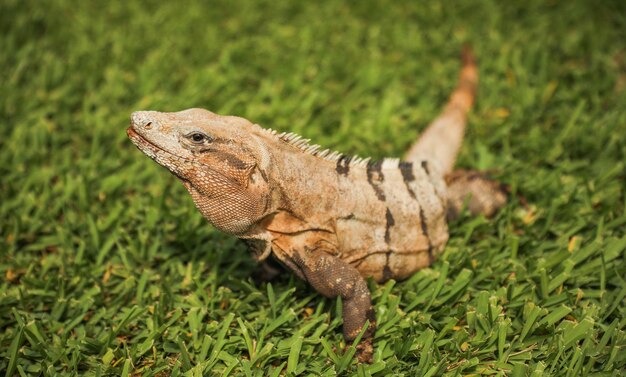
108, 269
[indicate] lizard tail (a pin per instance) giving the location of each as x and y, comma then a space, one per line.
442, 139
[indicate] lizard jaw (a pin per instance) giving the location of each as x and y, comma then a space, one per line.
153, 152
141, 142
164, 157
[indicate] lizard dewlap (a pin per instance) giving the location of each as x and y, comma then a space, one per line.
333, 220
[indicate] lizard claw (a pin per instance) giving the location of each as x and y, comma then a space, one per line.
365, 351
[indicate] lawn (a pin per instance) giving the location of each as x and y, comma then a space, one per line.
108, 269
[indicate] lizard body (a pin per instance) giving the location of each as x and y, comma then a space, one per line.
332, 219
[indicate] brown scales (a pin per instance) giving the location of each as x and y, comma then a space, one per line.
332, 219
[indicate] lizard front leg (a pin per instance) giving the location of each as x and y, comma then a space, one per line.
333, 277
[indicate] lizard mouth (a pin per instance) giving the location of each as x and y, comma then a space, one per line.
152, 150
148, 147
141, 142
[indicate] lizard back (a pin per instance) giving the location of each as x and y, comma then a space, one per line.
390, 214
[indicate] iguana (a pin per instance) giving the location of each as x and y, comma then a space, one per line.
332, 219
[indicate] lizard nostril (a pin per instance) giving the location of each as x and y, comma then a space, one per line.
148, 125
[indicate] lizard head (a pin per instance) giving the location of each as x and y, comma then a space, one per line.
219, 159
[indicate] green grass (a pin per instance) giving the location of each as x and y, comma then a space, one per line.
107, 268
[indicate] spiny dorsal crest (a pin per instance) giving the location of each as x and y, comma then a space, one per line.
301, 143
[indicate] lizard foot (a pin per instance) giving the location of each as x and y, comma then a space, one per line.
485, 195
365, 351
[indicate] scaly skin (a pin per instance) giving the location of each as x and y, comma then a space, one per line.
332, 219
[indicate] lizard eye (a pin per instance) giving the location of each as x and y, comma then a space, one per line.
198, 137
